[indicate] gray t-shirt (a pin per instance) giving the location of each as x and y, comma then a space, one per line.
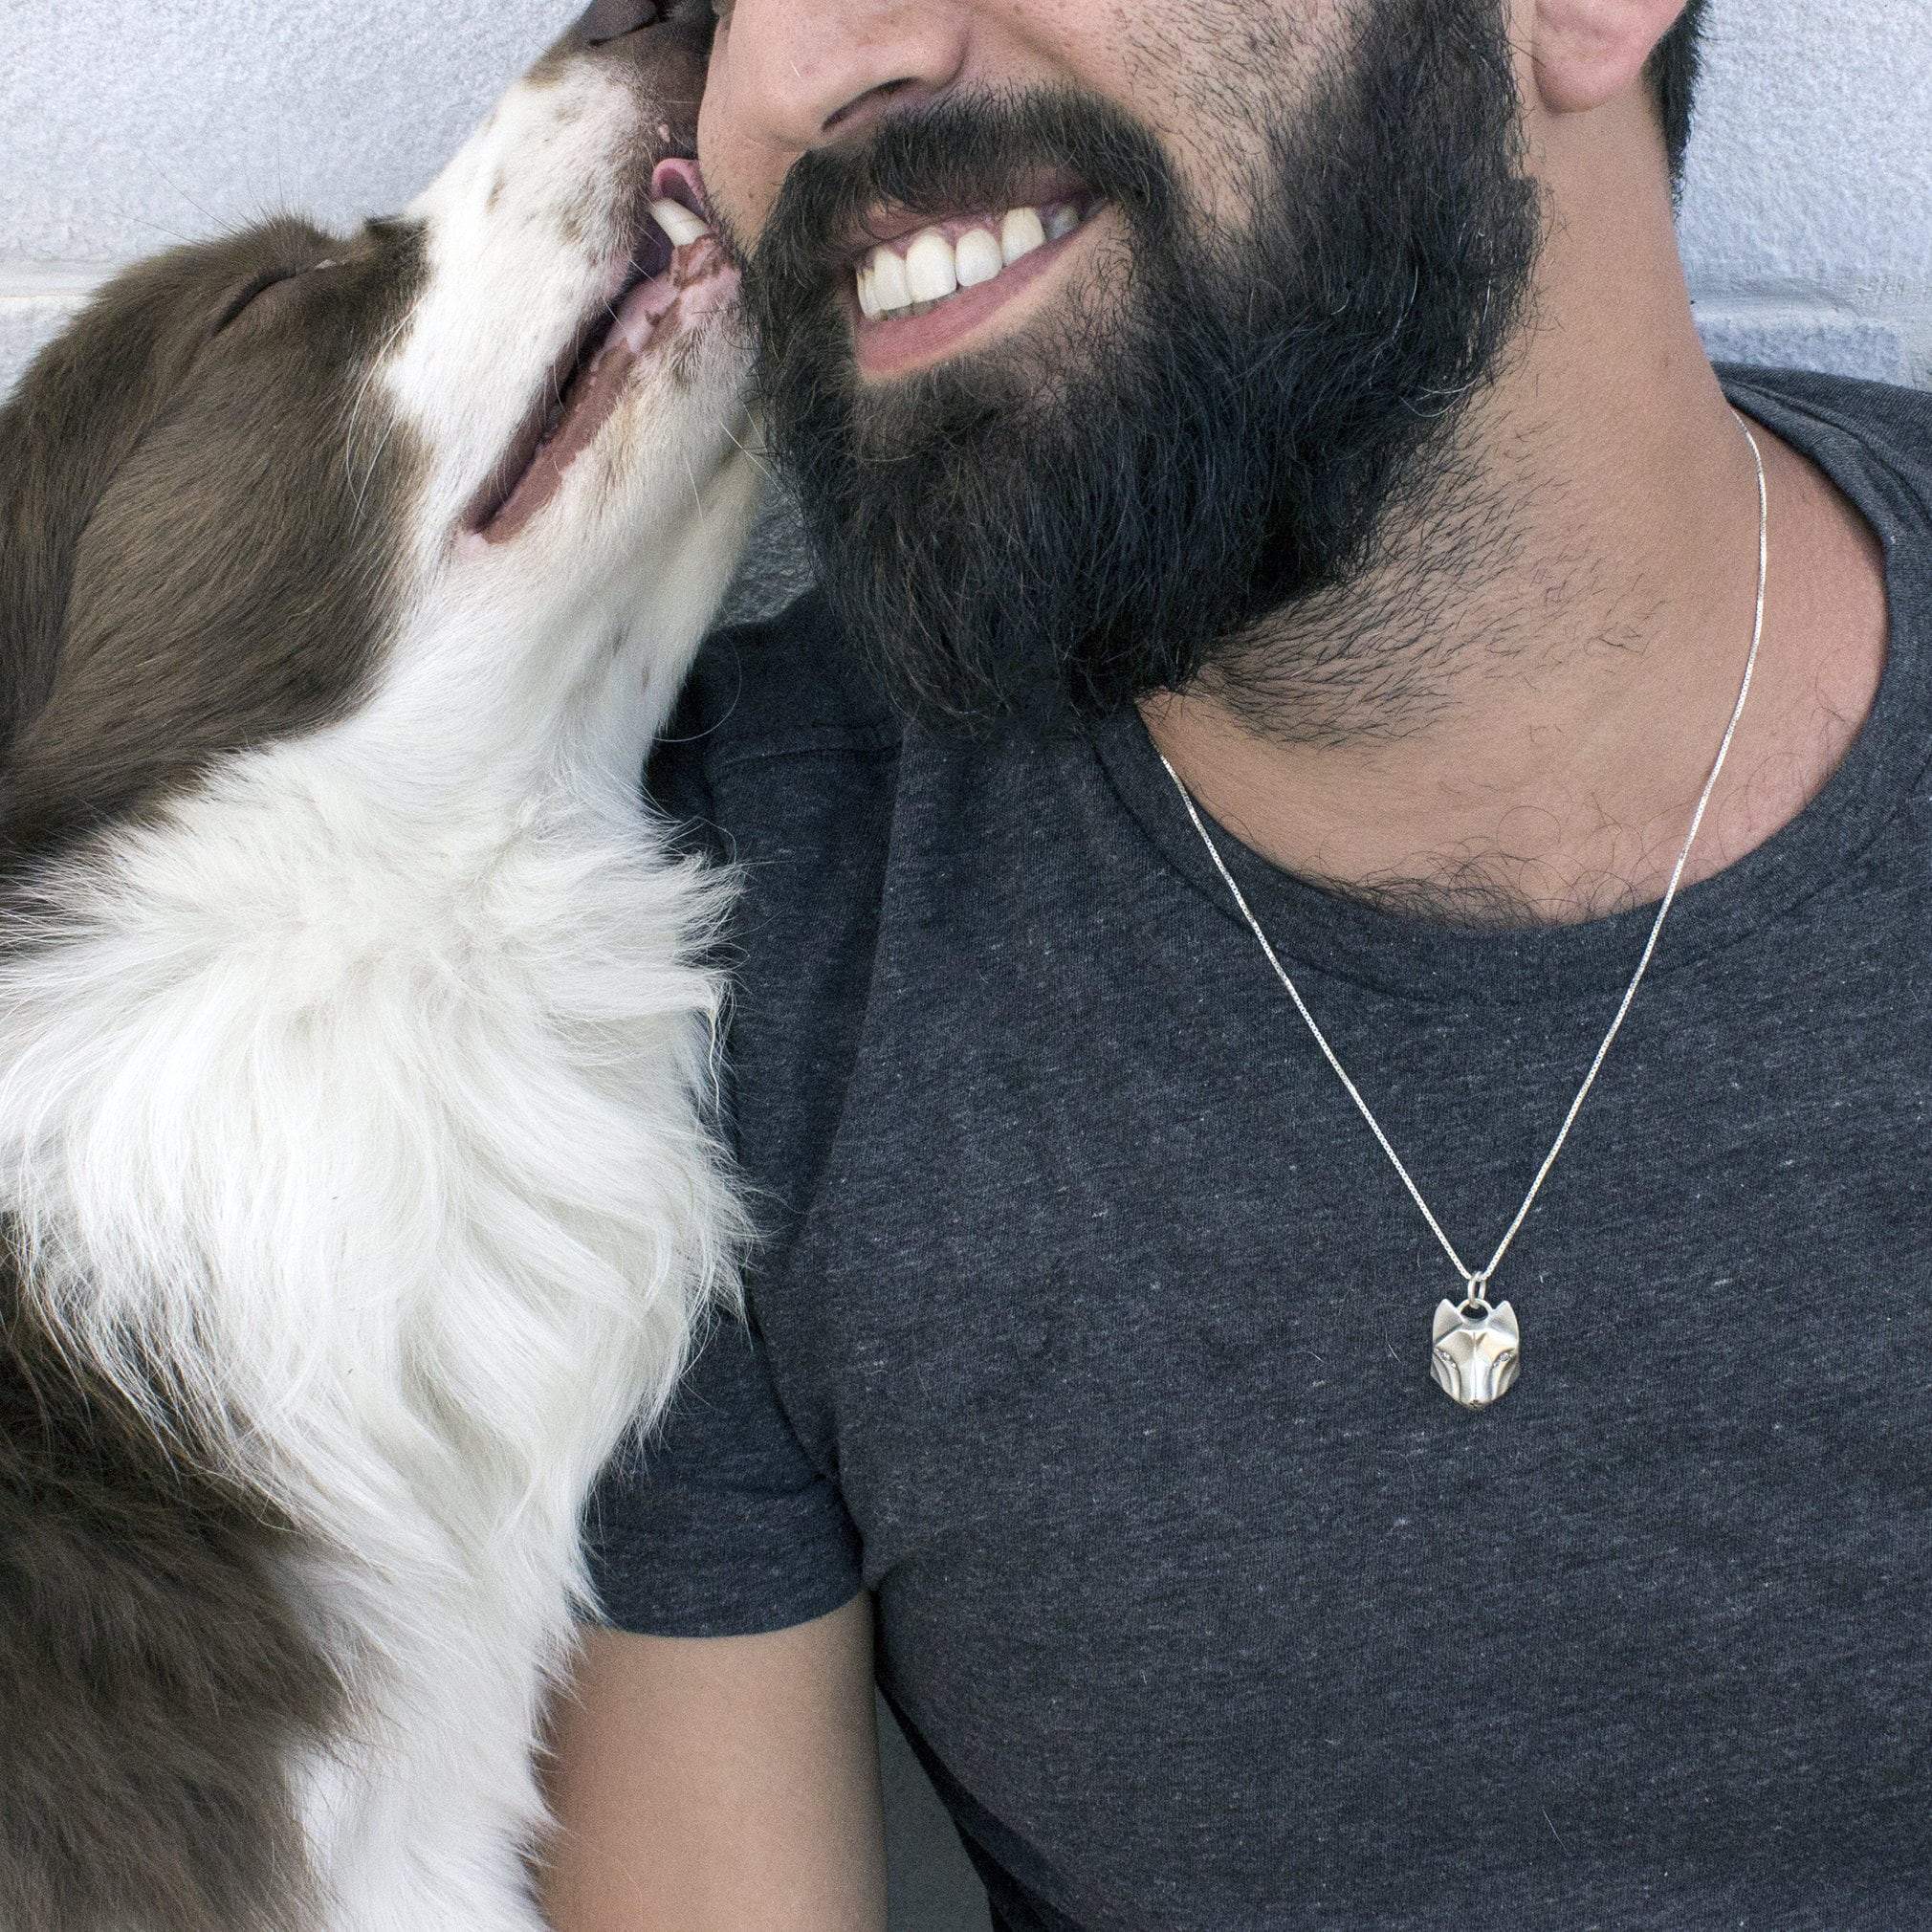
1092, 1327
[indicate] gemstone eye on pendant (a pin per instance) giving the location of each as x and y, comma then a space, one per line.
1477, 1352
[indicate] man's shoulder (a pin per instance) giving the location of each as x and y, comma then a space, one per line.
1887, 424
782, 758
786, 686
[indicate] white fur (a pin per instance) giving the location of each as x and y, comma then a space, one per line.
361, 1092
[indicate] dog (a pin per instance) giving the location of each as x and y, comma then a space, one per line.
357, 1027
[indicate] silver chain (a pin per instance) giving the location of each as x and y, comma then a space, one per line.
1479, 1284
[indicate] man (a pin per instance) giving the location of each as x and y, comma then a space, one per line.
1329, 419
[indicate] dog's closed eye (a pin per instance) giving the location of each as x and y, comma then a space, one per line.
265, 283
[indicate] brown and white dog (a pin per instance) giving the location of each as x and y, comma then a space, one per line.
355, 1185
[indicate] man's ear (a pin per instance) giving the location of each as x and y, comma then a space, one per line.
1588, 52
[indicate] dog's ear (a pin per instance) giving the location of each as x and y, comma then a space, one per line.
83, 404
173, 490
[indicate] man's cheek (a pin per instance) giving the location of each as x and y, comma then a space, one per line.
725, 159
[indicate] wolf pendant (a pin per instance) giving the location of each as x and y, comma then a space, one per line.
1477, 1353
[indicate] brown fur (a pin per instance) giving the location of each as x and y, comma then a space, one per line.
187, 568
175, 510
694, 21
153, 1678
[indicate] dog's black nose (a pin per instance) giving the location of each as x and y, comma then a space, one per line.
612, 19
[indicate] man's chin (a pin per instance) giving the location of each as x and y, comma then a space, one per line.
1062, 498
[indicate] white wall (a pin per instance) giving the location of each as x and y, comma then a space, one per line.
126, 124
1807, 219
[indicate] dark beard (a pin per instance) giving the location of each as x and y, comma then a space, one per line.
1215, 432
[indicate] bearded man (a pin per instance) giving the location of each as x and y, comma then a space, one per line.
1334, 1043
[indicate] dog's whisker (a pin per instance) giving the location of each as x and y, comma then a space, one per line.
207, 214
366, 391
754, 457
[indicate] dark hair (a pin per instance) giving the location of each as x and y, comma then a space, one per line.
1673, 73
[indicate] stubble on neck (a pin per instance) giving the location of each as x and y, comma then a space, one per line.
1506, 718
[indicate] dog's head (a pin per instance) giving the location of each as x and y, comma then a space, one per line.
433, 476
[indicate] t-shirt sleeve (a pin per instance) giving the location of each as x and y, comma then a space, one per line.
723, 1522
716, 1524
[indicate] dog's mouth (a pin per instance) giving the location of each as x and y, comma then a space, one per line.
674, 253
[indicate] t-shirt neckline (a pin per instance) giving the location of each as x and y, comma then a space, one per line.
1407, 957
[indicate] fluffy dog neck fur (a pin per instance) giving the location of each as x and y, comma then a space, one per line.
357, 1135
292, 1035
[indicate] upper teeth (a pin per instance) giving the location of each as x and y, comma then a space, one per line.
678, 222
933, 268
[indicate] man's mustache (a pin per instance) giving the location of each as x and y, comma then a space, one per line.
967, 153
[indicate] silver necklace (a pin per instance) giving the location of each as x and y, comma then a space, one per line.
1476, 1351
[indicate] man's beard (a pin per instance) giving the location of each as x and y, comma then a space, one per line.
1214, 428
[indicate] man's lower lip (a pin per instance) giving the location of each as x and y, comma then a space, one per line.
895, 344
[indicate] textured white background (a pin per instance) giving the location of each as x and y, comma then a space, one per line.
126, 124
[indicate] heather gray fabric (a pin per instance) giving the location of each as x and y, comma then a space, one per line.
1092, 1328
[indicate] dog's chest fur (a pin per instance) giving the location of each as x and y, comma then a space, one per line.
369, 1130
323, 1095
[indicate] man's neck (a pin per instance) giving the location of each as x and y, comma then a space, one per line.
1509, 718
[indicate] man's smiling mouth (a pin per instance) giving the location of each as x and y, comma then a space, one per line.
918, 272
918, 291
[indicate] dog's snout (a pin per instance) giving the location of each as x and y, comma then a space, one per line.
607, 20
664, 41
